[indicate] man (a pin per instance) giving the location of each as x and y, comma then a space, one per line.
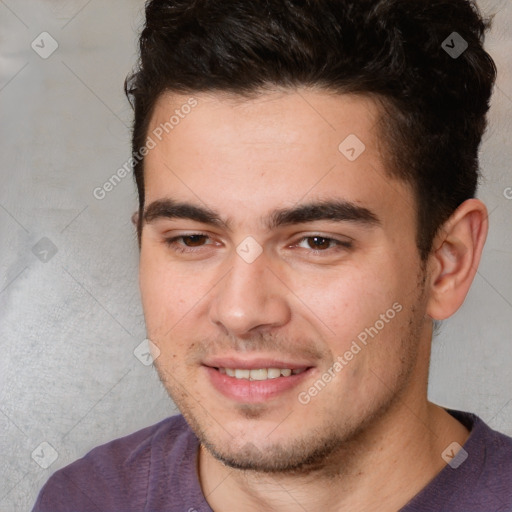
306, 174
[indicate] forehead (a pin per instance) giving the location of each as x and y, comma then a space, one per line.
276, 149
284, 116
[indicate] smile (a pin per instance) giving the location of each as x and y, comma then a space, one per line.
256, 384
260, 373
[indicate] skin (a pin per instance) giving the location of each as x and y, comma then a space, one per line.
370, 439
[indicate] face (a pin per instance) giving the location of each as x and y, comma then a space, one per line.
279, 274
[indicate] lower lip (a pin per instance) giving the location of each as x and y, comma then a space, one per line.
253, 391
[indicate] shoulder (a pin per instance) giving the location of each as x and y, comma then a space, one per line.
496, 459
115, 475
495, 447
486, 473
477, 479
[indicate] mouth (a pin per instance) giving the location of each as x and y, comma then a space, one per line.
260, 373
255, 381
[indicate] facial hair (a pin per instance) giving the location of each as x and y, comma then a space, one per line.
306, 452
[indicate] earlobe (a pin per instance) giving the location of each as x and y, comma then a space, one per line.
455, 261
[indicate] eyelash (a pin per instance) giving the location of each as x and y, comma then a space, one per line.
171, 242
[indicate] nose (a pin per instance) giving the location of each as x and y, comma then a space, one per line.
250, 299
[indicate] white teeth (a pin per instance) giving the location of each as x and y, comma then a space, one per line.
242, 374
273, 373
260, 373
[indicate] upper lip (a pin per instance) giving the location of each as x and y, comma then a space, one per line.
255, 363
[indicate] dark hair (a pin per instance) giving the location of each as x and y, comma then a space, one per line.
434, 104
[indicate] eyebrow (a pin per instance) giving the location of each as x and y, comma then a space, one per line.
331, 210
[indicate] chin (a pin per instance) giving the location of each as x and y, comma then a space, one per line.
290, 455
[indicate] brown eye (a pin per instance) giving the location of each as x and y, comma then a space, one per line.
191, 242
320, 244
196, 240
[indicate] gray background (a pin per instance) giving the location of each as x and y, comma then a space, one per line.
70, 321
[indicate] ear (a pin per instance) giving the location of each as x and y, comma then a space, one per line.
135, 218
455, 257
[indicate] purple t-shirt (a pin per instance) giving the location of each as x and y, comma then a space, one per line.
154, 470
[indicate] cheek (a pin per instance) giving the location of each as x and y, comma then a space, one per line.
149, 288
350, 299
361, 313
174, 299
163, 292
